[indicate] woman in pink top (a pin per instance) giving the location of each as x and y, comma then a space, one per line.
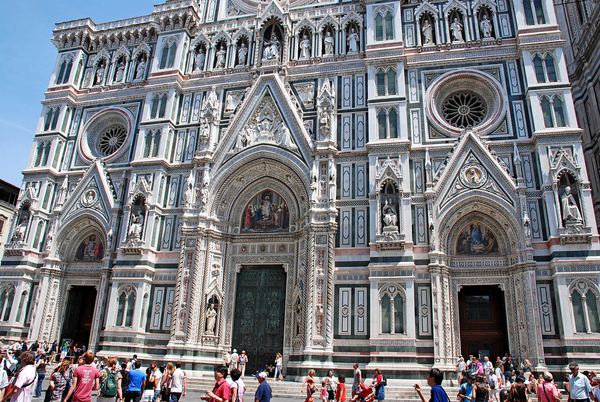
85, 380
546, 390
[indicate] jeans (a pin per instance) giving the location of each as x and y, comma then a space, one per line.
156, 395
175, 396
508, 376
38, 389
134, 396
277, 372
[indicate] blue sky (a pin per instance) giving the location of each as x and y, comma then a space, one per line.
27, 60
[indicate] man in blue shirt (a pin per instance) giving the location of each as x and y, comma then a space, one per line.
137, 379
434, 380
263, 392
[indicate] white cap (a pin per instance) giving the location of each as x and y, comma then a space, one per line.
262, 374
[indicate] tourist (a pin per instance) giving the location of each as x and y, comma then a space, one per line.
41, 373
461, 366
124, 379
493, 383
263, 392
517, 393
137, 378
60, 379
477, 367
110, 382
221, 391
465, 392
526, 367
148, 387
165, 383
227, 358
546, 390
340, 392
234, 359
379, 385
357, 380
324, 391
579, 385
156, 378
238, 388
434, 380
85, 380
178, 383
3, 377
242, 361
331, 386
488, 368
596, 389
23, 382
278, 365
311, 388
481, 390
508, 370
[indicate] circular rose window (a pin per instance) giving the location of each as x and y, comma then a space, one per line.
112, 139
466, 99
106, 134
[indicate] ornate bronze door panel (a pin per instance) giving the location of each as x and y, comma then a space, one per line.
259, 315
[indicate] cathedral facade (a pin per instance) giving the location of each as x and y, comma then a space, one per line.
378, 182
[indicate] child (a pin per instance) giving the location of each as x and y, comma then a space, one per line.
324, 391
340, 393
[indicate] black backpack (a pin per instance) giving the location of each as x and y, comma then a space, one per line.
383, 381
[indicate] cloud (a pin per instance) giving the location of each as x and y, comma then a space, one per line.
15, 125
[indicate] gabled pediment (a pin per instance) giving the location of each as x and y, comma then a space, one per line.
473, 169
267, 117
426, 7
272, 10
93, 195
141, 188
455, 5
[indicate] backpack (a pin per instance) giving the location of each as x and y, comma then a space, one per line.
109, 386
124, 380
383, 381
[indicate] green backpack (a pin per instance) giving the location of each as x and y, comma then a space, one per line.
109, 386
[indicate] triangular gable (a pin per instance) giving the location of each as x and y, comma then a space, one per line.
454, 5
425, 7
268, 92
473, 168
93, 195
273, 10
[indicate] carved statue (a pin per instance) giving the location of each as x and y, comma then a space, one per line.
486, 27
211, 320
204, 130
109, 238
284, 137
137, 224
332, 188
324, 123
305, 47
120, 72
200, 57
389, 215
221, 57
242, 54
204, 196
271, 49
298, 317
570, 211
242, 141
456, 28
100, 74
353, 40
140, 70
314, 190
20, 229
427, 30
328, 44
189, 195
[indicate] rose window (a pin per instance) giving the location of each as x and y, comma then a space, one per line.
464, 110
111, 140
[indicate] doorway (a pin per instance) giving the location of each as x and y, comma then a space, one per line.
259, 315
482, 322
79, 314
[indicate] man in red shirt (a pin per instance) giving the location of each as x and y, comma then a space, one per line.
221, 391
86, 379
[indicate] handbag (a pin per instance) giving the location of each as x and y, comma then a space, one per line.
48, 396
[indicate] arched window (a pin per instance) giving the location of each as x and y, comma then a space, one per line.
46, 153
393, 123
391, 81
381, 83
585, 308
534, 12
61, 72
39, 153
163, 106
155, 143
148, 144
55, 118
550, 68
386, 82
48, 119
125, 306
7, 295
391, 302
547, 112
384, 25
68, 72
559, 114
539, 69
22, 304
154, 107
382, 122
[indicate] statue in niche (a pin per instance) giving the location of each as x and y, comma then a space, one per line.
456, 28
314, 190
328, 44
305, 47
100, 74
284, 138
332, 188
221, 57
199, 60
298, 316
189, 195
204, 130
427, 30
120, 72
21, 227
353, 41
140, 70
570, 211
390, 219
242, 54
204, 196
271, 50
211, 320
486, 27
137, 225
242, 140
324, 124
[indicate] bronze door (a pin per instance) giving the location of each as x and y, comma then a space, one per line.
259, 315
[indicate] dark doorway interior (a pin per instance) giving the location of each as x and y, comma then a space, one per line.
79, 314
482, 322
259, 315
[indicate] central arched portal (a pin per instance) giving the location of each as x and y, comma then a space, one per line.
258, 327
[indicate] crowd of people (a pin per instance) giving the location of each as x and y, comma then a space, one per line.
334, 389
